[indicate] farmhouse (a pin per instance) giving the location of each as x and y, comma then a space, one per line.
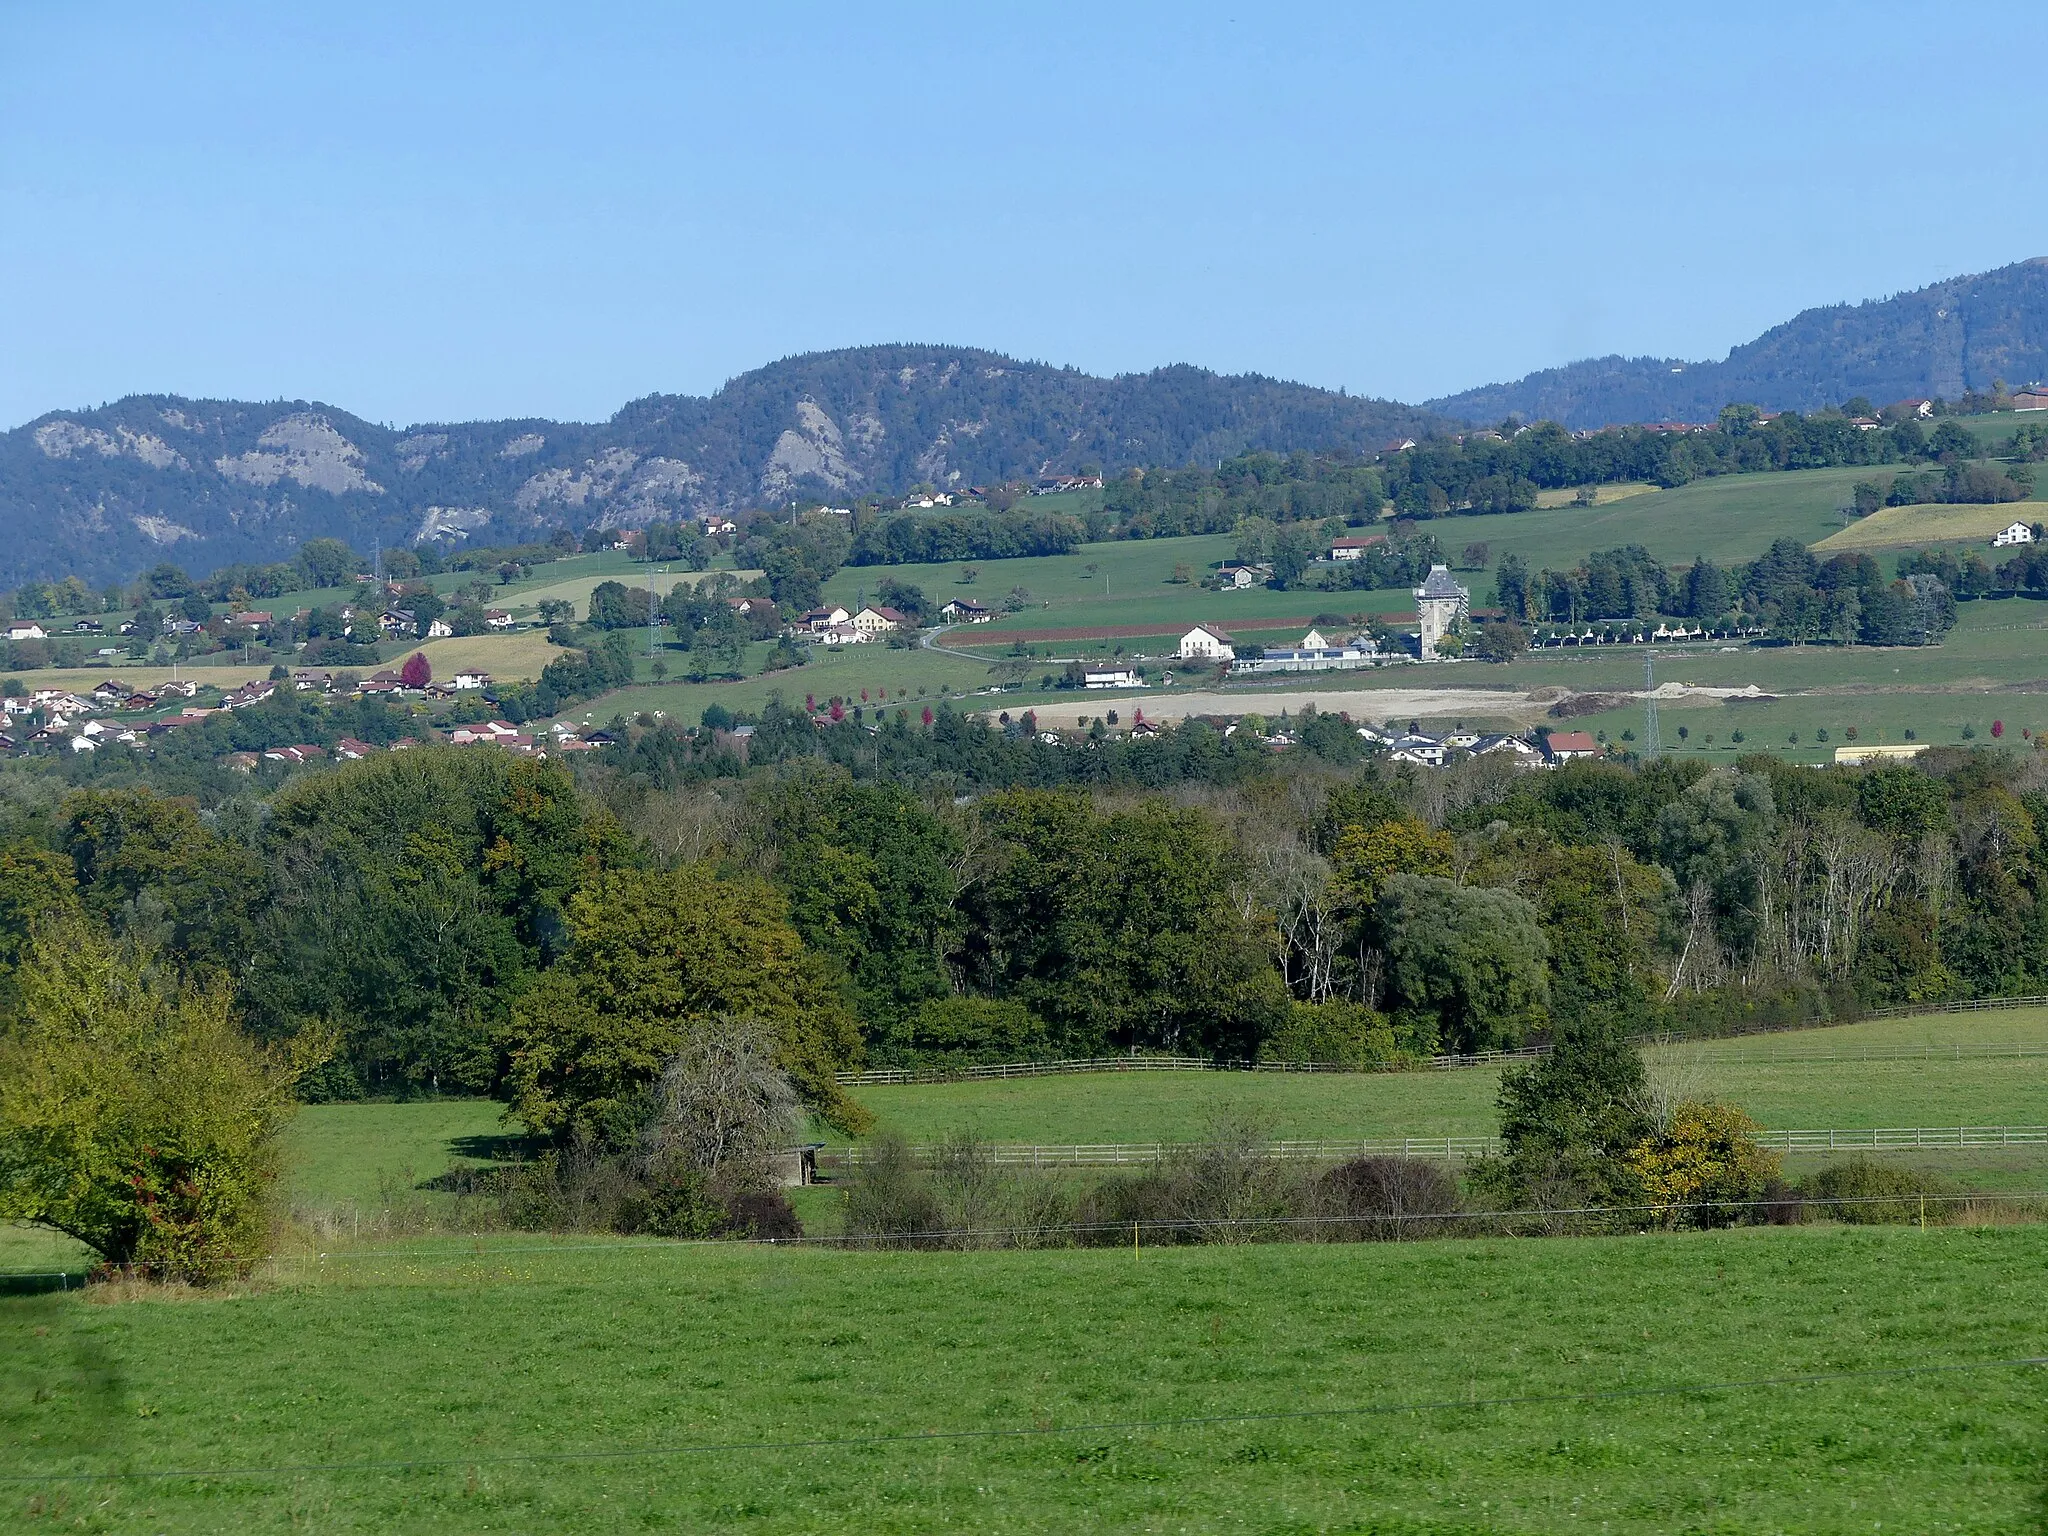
1205, 642
1562, 747
876, 620
965, 610
1232, 577
25, 629
2033, 398
2013, 533
1355, 548
468, 678
497, 618
824, 618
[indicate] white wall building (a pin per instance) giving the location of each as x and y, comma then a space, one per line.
2013, 533
1205, 642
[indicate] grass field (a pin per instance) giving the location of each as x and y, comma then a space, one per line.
1603, 495
515, 1386
1787, 1095
1924, 527
577, 589
1728, 517
350, 1153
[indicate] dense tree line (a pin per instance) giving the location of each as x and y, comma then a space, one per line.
1788, 590
468, 921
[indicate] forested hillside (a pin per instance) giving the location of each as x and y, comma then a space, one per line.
105, 493
1942, 341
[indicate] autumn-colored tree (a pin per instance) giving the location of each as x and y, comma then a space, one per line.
1367, 857
654, 956
417, 671
1706, 1158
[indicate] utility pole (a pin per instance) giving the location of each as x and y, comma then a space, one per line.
653, 611
1652, 745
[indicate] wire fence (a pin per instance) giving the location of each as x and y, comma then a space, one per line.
1117, 1154
1899, 1209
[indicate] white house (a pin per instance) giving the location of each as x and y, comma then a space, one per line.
842, 634
1440, 603
497, 618
1205, 642
1521, 753
965, 610
25, 629
1354, 549
1111, 677
2013, 533
469, 678
1415, 748
1232, 577
874, 620
439, 629
824, 618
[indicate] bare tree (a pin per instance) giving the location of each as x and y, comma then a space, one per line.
723, 1107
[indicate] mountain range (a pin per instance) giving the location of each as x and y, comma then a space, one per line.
1938, 341
107, 492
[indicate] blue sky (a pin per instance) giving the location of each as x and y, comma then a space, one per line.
433, 213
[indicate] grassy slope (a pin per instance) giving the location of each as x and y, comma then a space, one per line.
1920, 527
481, 1356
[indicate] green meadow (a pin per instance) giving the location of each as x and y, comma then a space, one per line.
1732, 1381
1671, 1382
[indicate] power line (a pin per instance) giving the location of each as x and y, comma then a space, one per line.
1038, 1431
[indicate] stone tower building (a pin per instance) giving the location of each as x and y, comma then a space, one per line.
1440, 603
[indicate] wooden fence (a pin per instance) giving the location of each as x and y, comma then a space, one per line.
1160, 1063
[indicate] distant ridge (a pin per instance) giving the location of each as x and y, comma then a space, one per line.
1940, 341
105, 493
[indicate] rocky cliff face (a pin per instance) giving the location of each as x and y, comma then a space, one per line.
105, 493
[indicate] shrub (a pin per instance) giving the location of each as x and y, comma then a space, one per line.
968, 1031
1863, 1192
1705, 1157
1334, 1033
1368, 1197
890, 1199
